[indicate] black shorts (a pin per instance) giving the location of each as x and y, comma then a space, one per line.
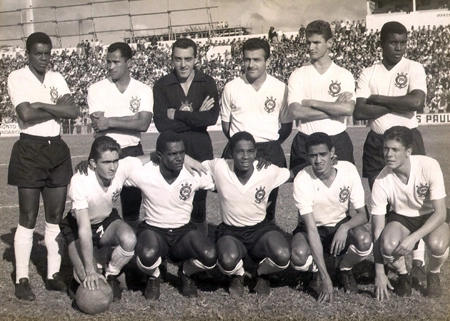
326, 234
342, 144
171, 235
69, 228
247, 235
40, 162
373, 157
271, 151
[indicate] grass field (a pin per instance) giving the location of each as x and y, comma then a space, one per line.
286, 302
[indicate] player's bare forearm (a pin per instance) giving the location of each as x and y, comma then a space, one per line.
378, 224
315, 245
360, 218
27, 113
411, 102
333, 108
366, 111
434, 221
306, 113
130, 123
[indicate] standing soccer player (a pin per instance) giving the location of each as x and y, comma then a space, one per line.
40, 161
321, 96
256, 102
186, 102
413, 186
323, 193
122, 108
389, 93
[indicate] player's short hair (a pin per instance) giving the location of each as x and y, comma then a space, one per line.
401, 134
241, 136
319, 27
255, 44
167, 137
123, 47
392, 27
318, 138
184, 43
103, 144
38, 37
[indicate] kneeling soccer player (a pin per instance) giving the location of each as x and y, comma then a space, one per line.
413, 186
322, 192
168, 191
243, 197
93, 222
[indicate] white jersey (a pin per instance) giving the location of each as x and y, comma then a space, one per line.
23, 86
307, 83
104, 96
425, 183
328, 204
257, 112
167, 205
86, 192
244, 205
406, 76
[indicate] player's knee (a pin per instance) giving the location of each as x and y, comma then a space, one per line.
209, 256
281, 256
228, 261
437, 245
363, 241
299, 256
388, 246
147, 255
28, 219
128, 241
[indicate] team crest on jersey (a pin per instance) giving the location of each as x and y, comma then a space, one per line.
186, 106
334, 89
401, 81
260, 194
185, 191
344, 194
135, 103
270, 104
423, 190
54, 94
115, 195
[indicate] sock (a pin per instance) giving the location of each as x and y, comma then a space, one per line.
149, 270
238, 269
419, 253
309, 266
353, 257
119, 258
23, 242
267, 266
436, 262
397, 262
54, 242
193, 265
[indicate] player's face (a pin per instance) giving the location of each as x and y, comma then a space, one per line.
39, 58
255, 64
317, 46
117, 65
106, 166
320, 158
244, 154
173, 156
183, 61
395, 154
394, 47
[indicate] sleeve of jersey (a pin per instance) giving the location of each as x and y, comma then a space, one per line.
285, 114
225, 109
94, 100
379, 199
349, 83
77, 193
128, 165
357, 197
437, 186
62, 85
418, 78
136, 175
280, 175
303, 197
362, 88
16, 91
147, 99
295, 88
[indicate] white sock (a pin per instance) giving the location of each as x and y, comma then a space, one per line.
238, 269
436, 262
398, 262
193, 265
419, 253
119, 258
149, 270
54, 242
267, 266
308, 266
23, 242
353, 257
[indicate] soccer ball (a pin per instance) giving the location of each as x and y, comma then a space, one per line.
94, 301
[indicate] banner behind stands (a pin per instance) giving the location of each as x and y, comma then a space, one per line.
433, 119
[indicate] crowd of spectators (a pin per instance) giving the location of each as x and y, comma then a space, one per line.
354, 49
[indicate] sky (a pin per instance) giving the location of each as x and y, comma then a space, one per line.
258, 15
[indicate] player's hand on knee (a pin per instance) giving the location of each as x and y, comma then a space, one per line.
82, 167
207, 104
339, 240
326, 292
405, 247
92, 280
382, 284
263, 163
